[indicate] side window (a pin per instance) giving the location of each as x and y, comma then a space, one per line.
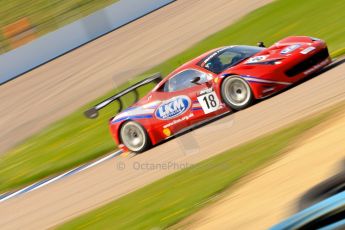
182, 80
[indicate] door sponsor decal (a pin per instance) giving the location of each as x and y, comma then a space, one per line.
173, 107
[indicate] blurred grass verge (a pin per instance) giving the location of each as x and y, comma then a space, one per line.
46, 16
169, 200
75, 139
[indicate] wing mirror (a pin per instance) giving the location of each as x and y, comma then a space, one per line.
195, 80
261, 44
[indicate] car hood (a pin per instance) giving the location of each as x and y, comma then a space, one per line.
282, 50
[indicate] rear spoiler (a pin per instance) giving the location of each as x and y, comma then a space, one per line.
93, 112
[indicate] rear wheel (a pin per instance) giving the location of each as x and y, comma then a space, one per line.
236, 93
134, 137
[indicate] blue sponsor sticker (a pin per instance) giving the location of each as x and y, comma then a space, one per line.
289, 49
172, 108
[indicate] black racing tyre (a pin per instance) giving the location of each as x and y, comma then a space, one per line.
236, 93
134, 137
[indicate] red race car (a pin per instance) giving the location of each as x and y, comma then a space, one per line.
220, 81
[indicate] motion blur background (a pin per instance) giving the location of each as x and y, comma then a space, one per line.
44, 132
42, 31
22, 21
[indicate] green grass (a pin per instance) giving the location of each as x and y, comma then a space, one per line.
167, 201
74, 139
46, 15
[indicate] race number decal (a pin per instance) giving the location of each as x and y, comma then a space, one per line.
209, 102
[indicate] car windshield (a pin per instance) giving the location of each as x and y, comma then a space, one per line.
224, 58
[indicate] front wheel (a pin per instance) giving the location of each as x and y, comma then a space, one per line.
236, 93
134, 137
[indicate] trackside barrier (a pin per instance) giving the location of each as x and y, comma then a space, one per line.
52, 45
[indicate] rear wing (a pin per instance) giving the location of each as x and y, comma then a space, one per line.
93, 112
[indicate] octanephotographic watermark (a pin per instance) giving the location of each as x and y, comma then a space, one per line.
149, 166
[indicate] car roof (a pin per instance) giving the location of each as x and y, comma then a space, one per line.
192, 64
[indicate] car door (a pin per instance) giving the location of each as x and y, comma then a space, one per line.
185, 102
205, 100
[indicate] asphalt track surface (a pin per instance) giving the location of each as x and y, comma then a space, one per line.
42, 96
279, 189
68, 198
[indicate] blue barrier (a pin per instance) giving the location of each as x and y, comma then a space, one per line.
69, 37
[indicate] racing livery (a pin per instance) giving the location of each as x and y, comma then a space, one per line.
220, 81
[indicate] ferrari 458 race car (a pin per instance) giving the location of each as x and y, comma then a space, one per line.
220, 81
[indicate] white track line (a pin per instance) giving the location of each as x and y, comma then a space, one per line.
45, 182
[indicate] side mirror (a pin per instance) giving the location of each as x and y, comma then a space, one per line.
195, 80
261, 44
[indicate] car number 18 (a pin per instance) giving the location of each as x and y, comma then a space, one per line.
209, 102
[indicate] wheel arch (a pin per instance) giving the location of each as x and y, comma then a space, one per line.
256, 92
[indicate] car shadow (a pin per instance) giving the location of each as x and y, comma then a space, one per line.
323, 190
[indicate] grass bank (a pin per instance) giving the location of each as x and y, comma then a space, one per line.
74, 139
167, 201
